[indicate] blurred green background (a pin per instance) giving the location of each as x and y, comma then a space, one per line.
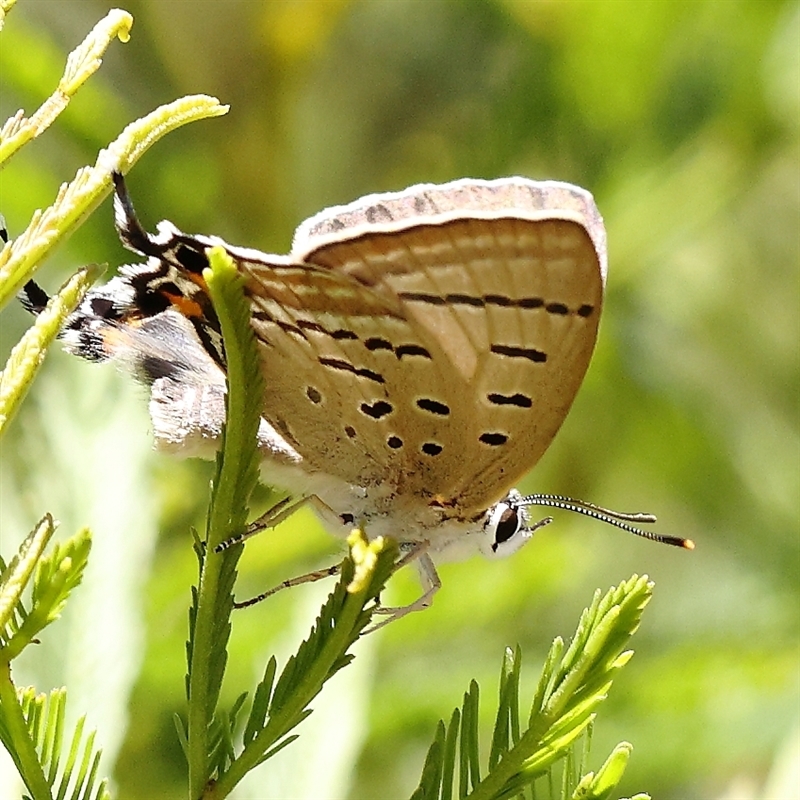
683, 120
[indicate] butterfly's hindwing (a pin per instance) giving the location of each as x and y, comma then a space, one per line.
450, 352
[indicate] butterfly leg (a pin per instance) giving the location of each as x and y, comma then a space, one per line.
269, 519
309, 577
429, 578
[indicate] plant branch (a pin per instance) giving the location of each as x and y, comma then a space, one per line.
82, 63
76, 200
237, 473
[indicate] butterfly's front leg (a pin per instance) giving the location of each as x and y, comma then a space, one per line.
428, 576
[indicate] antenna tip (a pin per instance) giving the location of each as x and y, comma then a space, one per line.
688, 544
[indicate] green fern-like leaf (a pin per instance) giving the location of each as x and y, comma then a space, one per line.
56, 575
279, 706
600, 786
32, 731
15, 576
27, 355
82, 63
572, 685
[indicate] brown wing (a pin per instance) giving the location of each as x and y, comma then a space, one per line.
433, 340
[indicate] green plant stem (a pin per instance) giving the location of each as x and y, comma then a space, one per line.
24, 751
226, 517
206, 627
198, 713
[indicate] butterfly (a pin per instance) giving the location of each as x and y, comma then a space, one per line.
421, 349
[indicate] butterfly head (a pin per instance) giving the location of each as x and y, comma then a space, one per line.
507, 526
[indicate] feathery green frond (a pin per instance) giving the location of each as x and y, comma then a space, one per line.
32, 731
90, 186
82, 63
236, 476
14, 577
239, 474
572, 685
280, 706
56, 575
27, 355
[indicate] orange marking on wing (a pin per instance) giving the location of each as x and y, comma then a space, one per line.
189, 308
198, 279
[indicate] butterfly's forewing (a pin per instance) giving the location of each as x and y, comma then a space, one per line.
433, 338
320, 391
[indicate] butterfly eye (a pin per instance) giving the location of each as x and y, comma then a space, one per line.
505, 528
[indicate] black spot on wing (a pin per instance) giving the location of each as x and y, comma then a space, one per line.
377, 343
499, 300
530, 302
411, 350
33, 297
529, 353
422, 297
376, 410
264, 316
518, 400
346, 366
313, 394
465, 300
378, 213
190, 258
433, 406
104, 307
148, 302
338, 333
150, 368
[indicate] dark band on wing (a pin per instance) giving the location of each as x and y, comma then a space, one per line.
518, 400
346, 366
494, 439
433, 406
373, 343
376, 410
304, 325
411, 350
500, 300
339, 333
510, 351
